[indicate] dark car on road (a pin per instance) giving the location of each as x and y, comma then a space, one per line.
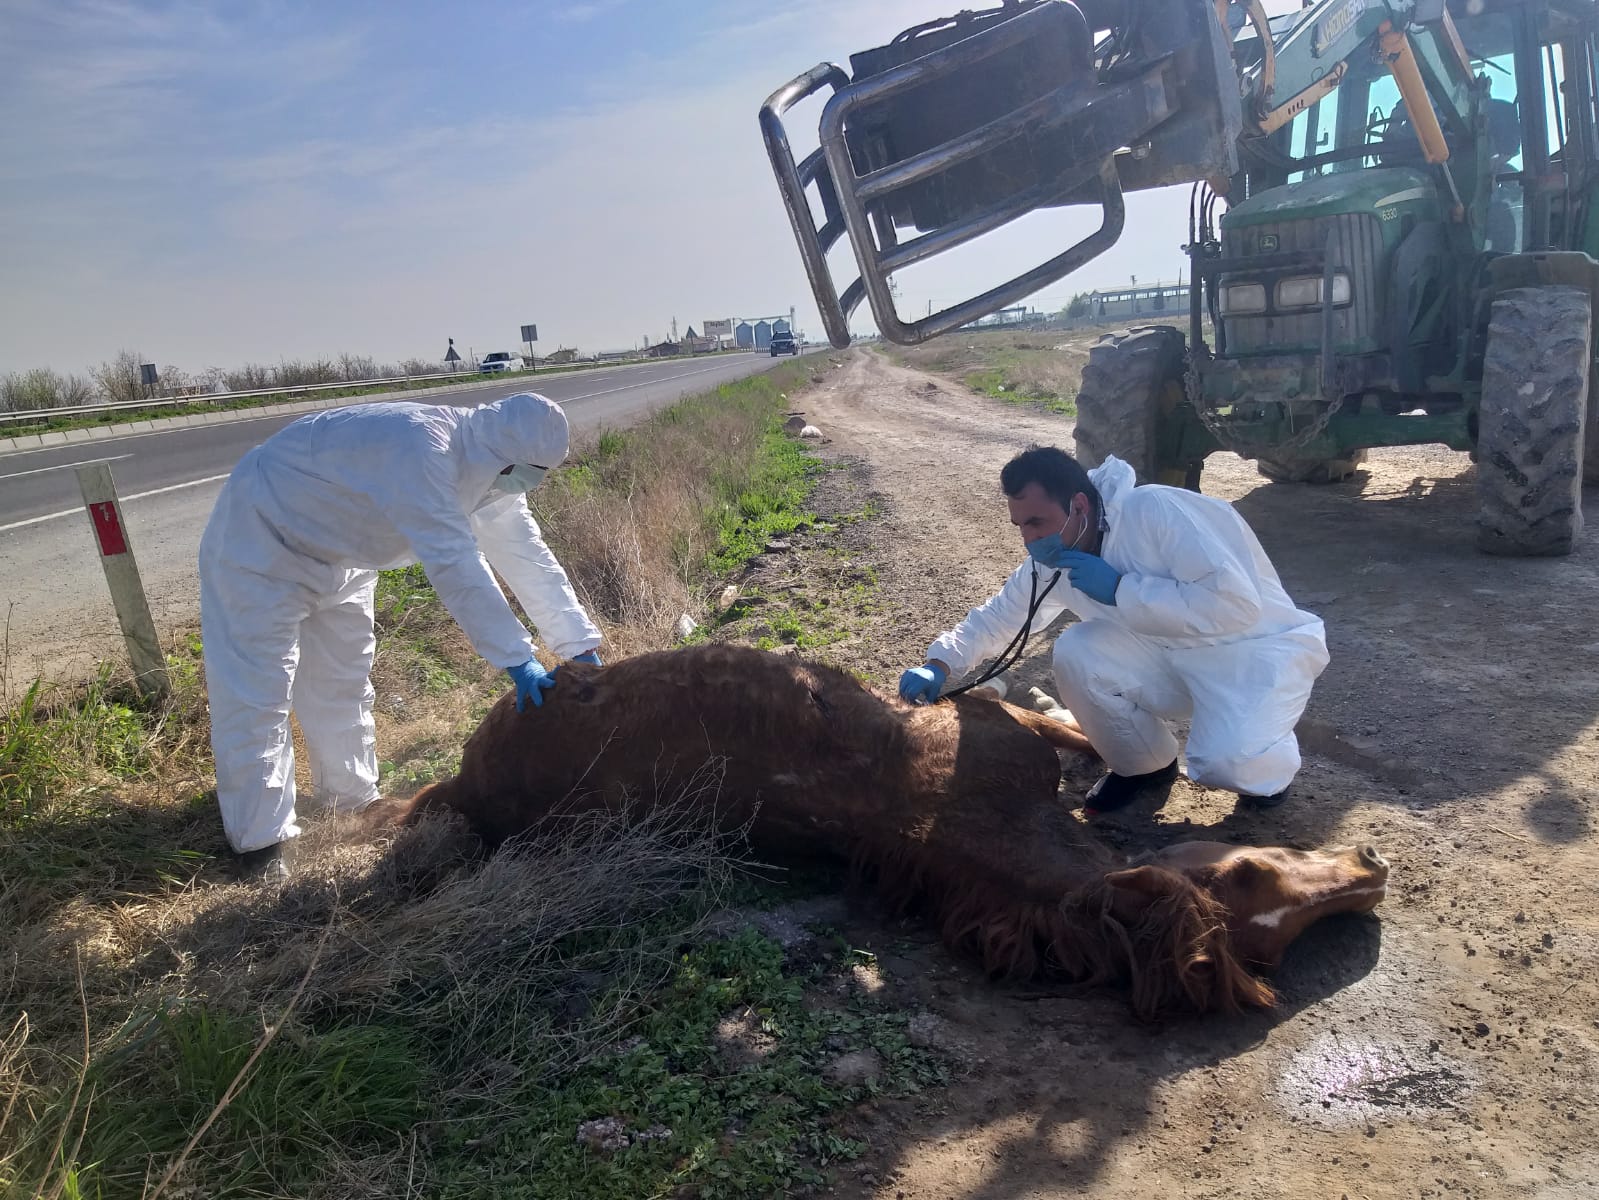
784, 343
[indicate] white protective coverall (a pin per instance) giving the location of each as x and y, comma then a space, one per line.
288, 568
1201, 629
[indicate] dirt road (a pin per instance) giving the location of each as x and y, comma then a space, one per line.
1451, 1048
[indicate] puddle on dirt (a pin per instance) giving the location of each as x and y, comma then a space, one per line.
1336, 1082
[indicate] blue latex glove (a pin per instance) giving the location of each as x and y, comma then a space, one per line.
1091, 575
532, 681
921, 685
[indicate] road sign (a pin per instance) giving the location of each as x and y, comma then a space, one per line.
530, 333
450, 355
147, 374
723, 328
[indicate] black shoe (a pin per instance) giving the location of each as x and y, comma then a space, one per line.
1271, 801
270, 864
1115, 791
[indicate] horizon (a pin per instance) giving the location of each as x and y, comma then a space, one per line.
268, 184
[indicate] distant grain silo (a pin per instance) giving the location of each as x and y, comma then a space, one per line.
744, 335
763, 335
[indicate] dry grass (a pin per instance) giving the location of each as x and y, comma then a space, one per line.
329, 1031
491, 975
645, 520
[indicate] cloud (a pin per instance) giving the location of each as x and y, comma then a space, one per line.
231, 206
578, 13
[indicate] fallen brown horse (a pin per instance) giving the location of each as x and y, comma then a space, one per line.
953, 807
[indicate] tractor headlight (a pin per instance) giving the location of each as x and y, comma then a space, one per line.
1243, 298
1304, 291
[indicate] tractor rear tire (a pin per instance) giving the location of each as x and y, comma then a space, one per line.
1310, 470
1590, 454
1133, 376
1530, 423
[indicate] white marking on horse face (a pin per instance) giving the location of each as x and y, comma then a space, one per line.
1274, 918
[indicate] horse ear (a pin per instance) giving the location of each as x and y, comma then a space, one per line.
1136, 888
1146, 880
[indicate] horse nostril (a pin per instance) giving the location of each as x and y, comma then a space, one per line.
1369, 856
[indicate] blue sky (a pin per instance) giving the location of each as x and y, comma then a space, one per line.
217, 183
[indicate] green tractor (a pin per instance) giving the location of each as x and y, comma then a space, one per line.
1408, 249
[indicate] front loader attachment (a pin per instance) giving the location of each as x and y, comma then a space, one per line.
959, 127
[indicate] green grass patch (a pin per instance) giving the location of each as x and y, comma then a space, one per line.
725, 1081
308, 1093
1003, 384
1040, 368
49, 740
770, 504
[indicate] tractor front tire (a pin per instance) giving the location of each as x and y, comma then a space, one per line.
1530, 422
1133, 377
1310, 470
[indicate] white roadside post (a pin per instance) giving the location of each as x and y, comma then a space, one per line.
122, 575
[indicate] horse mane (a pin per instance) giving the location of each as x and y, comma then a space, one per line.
1171, 947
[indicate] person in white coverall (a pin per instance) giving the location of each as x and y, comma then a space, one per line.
1182, 618
288, 568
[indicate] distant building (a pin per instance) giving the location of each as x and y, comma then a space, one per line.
780, 326
1132, 302
563, 355
663, 350
744, 335
693, 343
763, 335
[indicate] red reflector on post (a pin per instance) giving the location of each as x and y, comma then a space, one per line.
108, 528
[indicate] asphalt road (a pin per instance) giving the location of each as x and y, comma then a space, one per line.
53, 599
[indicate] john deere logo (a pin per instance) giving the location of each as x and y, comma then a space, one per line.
1268, 243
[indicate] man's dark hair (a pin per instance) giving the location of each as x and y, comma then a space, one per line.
1058, 473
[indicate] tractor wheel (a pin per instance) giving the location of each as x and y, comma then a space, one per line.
1310, 470
1530, 424
1590, 453
1132, 378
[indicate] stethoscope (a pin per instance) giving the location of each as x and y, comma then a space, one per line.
1012, 653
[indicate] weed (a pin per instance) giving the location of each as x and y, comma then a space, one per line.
610, 444
99, 732
727, 1121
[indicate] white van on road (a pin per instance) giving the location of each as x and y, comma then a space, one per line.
501, 361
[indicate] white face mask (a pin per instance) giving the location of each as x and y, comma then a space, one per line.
519, 479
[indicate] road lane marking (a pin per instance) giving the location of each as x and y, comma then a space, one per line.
213, 478
64, 466
645, 383
56, 516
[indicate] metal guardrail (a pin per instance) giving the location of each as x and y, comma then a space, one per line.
45, 414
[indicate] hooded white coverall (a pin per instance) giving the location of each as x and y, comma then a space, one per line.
288, 568
1201, 629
